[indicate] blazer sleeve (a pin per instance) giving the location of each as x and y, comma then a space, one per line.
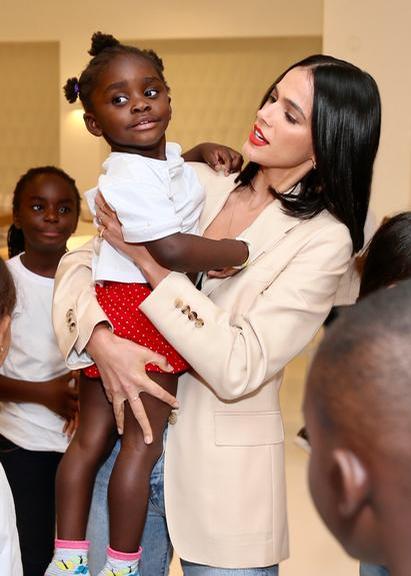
76, 311
236, 354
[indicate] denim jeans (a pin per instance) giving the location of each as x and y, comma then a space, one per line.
371, 570
190, 569
156, 544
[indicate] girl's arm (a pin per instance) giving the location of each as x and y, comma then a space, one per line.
190, 253
58, 394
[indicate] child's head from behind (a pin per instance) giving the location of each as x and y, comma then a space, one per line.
388, 258
125, 96
357, 410
46, 208
7, 303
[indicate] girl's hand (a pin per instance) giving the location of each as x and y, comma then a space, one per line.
224, 273
122, 368
71, 426
217, 156
61, 395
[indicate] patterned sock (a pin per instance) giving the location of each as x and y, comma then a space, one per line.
70, 557
121, 563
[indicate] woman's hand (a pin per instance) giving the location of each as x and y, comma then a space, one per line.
122, 368
110, 230
217, 156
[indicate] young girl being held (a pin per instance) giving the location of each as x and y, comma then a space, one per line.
39, 399
158, 200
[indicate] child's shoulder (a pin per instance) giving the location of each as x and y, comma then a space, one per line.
130, 166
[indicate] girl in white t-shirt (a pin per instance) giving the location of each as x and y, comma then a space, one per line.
158, 200
10, 560
39, 397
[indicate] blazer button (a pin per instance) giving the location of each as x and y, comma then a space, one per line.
172, 419
178, 303
69, 313
72, 325
192, 315
186, 309
199, 322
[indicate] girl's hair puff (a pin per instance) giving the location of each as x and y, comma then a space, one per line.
7, 291
15, 236
104, 47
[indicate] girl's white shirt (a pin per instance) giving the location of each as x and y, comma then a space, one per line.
153, 199
10, 559
33, 356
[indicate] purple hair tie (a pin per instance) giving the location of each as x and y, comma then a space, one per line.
76, 89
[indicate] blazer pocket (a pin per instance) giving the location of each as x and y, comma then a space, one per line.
248, 428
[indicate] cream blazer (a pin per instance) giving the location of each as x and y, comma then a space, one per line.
224, 469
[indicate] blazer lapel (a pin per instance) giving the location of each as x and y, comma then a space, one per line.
263, 234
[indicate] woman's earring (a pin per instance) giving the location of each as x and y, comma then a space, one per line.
314, 163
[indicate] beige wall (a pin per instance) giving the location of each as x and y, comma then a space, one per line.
371, 33
375, 34
72, 23
29, 111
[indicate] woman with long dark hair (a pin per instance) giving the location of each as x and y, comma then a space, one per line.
300, 204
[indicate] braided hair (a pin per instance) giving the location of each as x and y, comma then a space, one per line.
104, 47
15, 236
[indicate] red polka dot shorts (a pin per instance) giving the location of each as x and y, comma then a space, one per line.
121, 302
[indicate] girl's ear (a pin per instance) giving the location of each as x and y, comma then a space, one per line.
92, 124
351, 483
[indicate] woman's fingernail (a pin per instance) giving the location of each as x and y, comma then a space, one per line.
176, 405
148, 439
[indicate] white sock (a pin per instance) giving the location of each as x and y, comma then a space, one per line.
70, 557
121, 563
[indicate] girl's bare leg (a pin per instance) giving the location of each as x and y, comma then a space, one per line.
91, 445
129, 485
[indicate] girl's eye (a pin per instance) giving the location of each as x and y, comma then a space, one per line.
119, 100
151, 92
36, 207
64, 210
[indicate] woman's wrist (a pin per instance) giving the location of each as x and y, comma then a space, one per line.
100, 336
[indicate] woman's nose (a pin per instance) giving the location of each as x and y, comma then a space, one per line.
265, 114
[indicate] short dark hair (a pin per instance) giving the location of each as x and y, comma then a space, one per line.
359, 380
388, 257
15, 236
346, 123
104, 47
7, 291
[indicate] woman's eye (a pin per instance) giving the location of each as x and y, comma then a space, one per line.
272, 98
290, 118
151, 92
119, 100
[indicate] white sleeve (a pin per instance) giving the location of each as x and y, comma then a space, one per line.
141, 200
